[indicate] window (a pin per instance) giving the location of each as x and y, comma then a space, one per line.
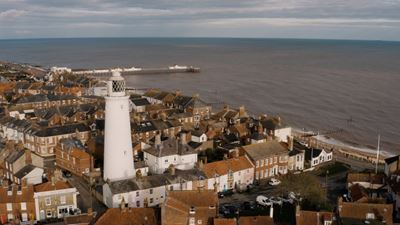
257, 164
151, 200
9, 206
137, 194
171, 188
151, 191
270, 161
63, 199
48, 201
266, 161
275, 159
262, 163
48, 213
137, 203
370, 216
23, 205
166, 161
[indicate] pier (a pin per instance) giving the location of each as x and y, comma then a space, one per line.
138, 71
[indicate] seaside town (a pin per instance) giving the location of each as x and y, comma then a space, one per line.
79, 149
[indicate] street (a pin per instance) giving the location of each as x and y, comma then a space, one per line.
85, 200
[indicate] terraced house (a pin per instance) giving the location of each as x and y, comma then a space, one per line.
270, 159
55, 199
16, 202
44, 140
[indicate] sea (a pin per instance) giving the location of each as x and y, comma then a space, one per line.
348, 90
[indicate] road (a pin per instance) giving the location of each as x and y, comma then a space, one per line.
356, 164
85, 200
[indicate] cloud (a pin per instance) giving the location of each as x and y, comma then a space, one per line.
182, 17
11, 14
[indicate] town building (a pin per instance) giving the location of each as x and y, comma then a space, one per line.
189, 207
149, 191
314, 218
16, 202
170, 152
71, 155
131, 216
55, 199
374, 211
270, 159
229, 174
315, 157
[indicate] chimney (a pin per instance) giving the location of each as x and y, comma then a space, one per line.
157, 140
271, 211
260, 128
290, 142
177, 92
28, 156
242, 111
183, 138
172, 169
53, 181
122, 206
90, 212
24, 182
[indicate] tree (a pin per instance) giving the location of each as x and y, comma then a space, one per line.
308, 186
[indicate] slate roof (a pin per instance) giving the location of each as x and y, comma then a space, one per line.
144, 126
263, 150
14, 156
24, 171
153, 181
69, 143
171, 146
60, 130
140, 101
392, 159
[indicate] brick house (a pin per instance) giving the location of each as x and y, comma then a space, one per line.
72, 156
270, 159
16, 202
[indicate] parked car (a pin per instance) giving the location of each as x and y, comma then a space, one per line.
264, 201
229, 209
274, 182
248, 205
288, 200
276, 200
225, 193
66, 173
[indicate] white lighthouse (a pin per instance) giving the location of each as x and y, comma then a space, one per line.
118, 156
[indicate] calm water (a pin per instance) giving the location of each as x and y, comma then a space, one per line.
312, 84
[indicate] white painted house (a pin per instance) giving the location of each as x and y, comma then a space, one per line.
151, 190
230, 174
318, 156
282, 134
198, 136
170, 152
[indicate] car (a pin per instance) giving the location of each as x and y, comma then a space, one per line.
248, 205
274, 182
262, 200
229, 209
288, 200
276, 200
225, 193
66, 173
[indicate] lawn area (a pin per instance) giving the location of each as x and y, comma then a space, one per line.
333, 169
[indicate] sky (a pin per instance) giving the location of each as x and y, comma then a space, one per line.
326, 19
